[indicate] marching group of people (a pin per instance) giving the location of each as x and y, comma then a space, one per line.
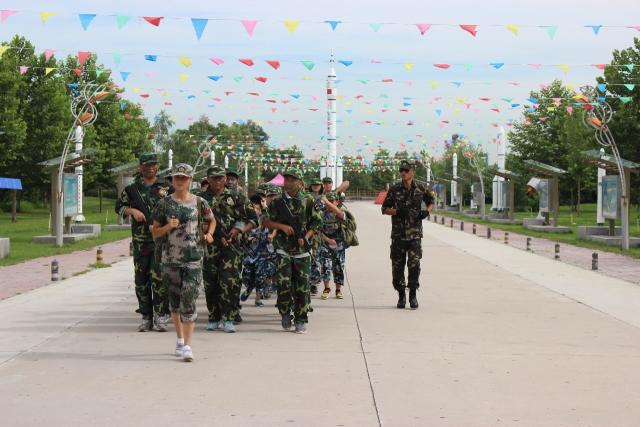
285, 241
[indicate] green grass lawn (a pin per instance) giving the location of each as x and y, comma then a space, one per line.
568, 219
36, 223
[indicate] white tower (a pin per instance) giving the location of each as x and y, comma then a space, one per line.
454, 183
332, 95
498, 199
170, 158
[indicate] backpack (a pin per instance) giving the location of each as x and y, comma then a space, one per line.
349, 227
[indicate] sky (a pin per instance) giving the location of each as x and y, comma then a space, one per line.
419, 109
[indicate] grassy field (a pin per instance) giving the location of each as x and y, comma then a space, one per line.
35, 222
568, 219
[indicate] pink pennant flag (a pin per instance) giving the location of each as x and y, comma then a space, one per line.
274, 63
635, 27
217, 61
423, 28
471, 29
249, 26
23, 69
442, 66
600, 66
5, 14
536, 66
82, 57
48, 54
375, 61
570, 110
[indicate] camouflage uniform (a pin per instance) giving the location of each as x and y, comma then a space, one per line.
331, 260
259, 263
314, 276
294, 262
406, 230
151, 294
223, 264
183, 251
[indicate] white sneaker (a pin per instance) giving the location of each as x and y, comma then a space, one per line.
179, 350
187, 354
229, 327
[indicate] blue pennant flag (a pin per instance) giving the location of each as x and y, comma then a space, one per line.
199, 25
345, 62
125, 75
215, 78
85, 19
152, 58
334, 24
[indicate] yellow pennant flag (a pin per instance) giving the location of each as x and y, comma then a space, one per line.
185, 60
461, 100
184, 77
45, 16
291, 25
571, 86
347, 104
136, 90
434, 84
307, 78
565, 68
340, 98
165, 93
408, 66
3, 49
48, 70
513, 28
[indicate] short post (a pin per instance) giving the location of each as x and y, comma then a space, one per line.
442, 220
506, 238
557, 252
55, 276
528, 244
99, 257
131, 248
474, 229
461, 225
451, 223
594, 261
489, 233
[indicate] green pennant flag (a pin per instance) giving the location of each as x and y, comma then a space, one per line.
122, 20
308, 64
630, 86
626, 99
375, 27
238, 78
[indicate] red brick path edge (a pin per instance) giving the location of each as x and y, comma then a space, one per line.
26, 276
609, 264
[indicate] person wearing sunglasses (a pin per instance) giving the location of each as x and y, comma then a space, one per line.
408, 202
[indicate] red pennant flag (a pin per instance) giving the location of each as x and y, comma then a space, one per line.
78, 71
387, 80
600, 66
82, 57
254, 93
261, 79
153, 20
273, 101
246, 61
471, 29
275, 64
228, 93
442, 66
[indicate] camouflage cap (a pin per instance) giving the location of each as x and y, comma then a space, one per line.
262, 189
148, 158
331, 196
182, 169
293, 172
233, 172
407, 164
342, 196
327, 179
274, 190
316, 181
215, 172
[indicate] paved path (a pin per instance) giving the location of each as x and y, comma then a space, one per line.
502, 337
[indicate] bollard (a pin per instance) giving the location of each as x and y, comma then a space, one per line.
99, 256
131, 248
435, 219
451, 223
55, 271
461, 225
474, 229
506, 238
442, 220
557, 252
594, 261
529, 244
489, 233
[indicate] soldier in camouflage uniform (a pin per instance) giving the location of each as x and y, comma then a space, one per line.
297, 218
183, 218
408, 202
223, 262
138, 200
314, 277
331, 253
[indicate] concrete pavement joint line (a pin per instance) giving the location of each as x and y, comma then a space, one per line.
59, 333
462, 249
364, 355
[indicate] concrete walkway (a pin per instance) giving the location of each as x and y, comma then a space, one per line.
502, 337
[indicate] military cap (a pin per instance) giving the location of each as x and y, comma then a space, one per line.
331, 196
274, 190
215, 171
182, 169
148, 158
293, 172
327, 179
316, 181
407, 164
342, 196
232, 172
262, 189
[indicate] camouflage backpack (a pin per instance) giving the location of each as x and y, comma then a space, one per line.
349, 229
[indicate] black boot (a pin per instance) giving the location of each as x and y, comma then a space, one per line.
413, 301
402, 298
